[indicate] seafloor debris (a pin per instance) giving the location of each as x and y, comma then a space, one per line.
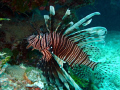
17, 78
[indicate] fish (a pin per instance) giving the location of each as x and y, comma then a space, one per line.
1, 19
64, 44
4, 19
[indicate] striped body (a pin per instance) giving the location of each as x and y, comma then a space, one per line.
68, 51
62, 47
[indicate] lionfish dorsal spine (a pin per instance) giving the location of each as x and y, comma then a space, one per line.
61, 23
46, 17
66, 14
52, 10
52, 14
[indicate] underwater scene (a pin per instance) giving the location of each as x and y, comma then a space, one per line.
59, 45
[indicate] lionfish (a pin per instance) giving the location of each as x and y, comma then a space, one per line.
65, 45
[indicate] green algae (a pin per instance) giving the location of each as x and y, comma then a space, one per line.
81, 82
7, 51
5, 56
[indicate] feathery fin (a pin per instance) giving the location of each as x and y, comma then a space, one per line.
66, 75
93, 34
86, 23
80, 22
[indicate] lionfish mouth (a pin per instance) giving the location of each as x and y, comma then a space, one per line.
65, 44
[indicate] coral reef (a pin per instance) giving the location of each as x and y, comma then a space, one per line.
12, 36
24, 5
5, 56
4, 61
28, 5
20, 76
15, 71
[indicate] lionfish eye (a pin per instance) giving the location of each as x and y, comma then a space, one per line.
40, 36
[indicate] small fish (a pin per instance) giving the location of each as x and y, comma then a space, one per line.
4, 19
65, 43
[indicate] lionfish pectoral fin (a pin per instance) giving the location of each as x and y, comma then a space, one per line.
80, 22
53, 73
87, 22
65, 74
51, 68
59, 61
49, 71
89, 35
33, 49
